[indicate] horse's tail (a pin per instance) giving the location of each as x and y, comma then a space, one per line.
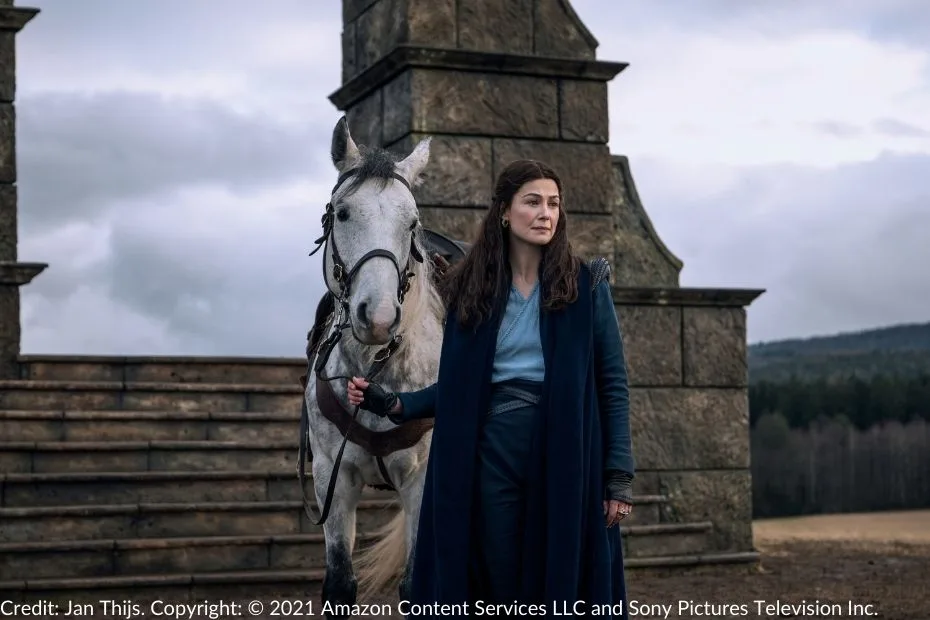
382, 562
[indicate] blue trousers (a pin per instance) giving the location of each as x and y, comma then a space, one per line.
504, 449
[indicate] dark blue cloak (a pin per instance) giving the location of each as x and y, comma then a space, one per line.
569, 553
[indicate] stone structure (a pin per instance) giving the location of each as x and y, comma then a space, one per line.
492, 81
13, 274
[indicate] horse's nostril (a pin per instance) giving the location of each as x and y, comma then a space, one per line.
362, 313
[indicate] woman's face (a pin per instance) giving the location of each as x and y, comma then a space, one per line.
534, 212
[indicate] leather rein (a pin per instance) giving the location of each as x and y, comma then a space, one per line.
343, 278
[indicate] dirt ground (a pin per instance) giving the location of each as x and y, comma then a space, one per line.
881, 560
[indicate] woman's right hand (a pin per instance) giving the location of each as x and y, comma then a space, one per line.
356, 389
372, 397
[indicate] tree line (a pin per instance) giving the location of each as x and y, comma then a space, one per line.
840, 445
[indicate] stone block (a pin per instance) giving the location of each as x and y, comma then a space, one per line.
652, 343
219, 459
134, 558
150, 400
277, 403
252, 431
7, 66
459, 223
467, 103
386, 24
431, 22
590, 235
7, 143
349, 48
57, 461
351, 9
653, 542
65, 525
495, 26
722, 497
366, 120
44, 428
378, 30
714, 347
558, 32
57, 400
8, 222
458, 173
232, 521
681, 428
583, 112
583, 168
52, 563
102, 429
287, 554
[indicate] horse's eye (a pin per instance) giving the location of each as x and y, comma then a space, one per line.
342, 214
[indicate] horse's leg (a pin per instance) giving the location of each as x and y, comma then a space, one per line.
339, 584
411, 494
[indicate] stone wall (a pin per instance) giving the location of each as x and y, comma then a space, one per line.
686, 352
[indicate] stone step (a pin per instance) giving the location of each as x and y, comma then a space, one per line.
666, 539
248, 370
142, 556
127, 456
148, 396
25, 425
164, 520
106, 488
300, 588
150, 556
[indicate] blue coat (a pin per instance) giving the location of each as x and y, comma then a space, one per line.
570, 555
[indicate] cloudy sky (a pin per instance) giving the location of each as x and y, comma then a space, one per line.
173, 160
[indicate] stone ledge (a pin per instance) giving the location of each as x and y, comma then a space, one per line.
19, 274
718, 297
15, 18
406, 56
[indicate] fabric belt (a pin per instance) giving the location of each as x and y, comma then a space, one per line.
519, 398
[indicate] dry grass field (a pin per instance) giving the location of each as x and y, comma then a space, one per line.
878, 561
881, 560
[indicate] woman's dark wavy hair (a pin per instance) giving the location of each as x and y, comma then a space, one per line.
475, 286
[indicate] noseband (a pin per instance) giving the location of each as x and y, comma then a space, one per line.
343, 278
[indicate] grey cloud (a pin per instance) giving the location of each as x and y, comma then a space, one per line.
906, 21
896, 128
838, 129
80, 155
836, 250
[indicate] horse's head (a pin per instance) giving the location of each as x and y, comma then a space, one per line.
372, 227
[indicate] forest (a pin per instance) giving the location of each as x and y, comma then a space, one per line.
841, 423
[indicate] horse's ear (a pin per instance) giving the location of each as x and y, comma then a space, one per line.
343, 150
412, 166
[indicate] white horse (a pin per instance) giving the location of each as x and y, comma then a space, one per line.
383, 291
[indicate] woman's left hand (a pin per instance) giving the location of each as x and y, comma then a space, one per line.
616, 511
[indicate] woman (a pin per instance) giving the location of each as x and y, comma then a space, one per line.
531, 461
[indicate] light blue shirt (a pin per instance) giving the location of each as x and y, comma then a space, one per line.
519, 353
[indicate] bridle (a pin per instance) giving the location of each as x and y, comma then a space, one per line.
343, 278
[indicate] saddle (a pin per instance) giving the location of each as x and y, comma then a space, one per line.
444, 252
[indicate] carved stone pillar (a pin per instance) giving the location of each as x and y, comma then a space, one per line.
13, 274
